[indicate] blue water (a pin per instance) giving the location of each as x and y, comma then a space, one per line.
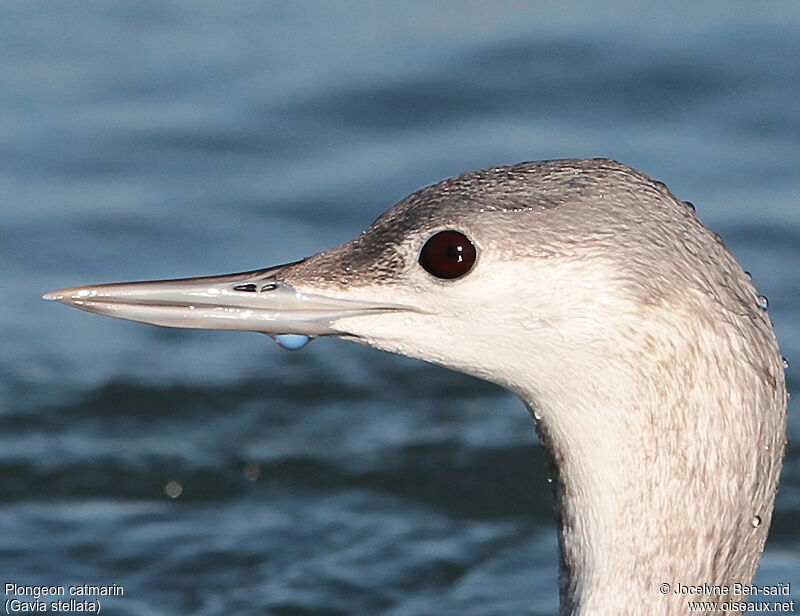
141, 139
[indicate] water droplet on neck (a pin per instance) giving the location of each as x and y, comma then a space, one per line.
291, 342
756, 521
785, 363
763, 302
690, 205
748, 274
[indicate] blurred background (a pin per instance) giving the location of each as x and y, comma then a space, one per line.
212, 473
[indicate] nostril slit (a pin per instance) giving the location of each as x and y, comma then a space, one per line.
270, 286
248, 288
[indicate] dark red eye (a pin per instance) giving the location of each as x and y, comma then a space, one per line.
448, 255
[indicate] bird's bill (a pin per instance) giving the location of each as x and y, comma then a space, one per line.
257, 301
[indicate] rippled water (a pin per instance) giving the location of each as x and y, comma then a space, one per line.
149, 140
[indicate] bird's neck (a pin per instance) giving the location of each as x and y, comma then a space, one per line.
663, 474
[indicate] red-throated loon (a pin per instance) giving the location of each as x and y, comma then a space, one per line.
639, 345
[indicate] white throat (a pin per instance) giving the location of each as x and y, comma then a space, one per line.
666, 463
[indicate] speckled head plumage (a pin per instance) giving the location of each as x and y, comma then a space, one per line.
631, 333
533, 209
468, 201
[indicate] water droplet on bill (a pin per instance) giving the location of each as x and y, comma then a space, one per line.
291, 342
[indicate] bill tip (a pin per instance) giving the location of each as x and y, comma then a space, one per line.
56, 296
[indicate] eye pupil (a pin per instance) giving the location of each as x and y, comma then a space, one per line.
448, 255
